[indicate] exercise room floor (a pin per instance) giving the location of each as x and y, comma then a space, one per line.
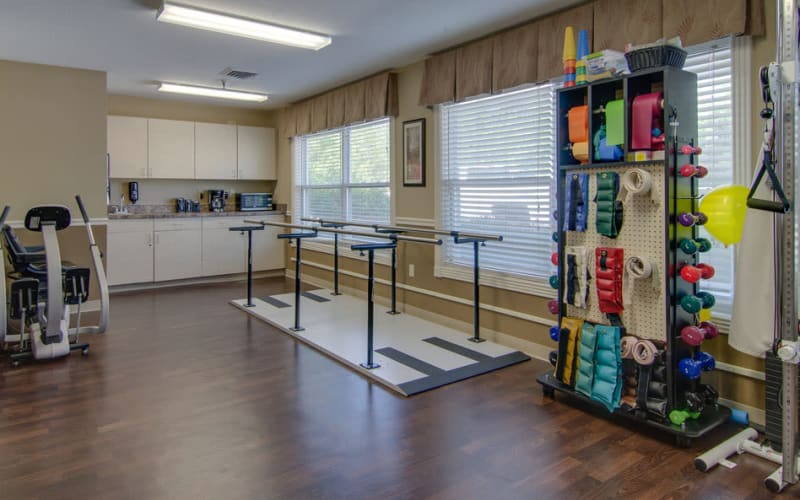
185, 397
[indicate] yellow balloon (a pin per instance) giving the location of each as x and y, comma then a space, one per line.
725, 207
704, 315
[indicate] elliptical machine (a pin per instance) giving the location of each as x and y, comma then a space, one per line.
42, 289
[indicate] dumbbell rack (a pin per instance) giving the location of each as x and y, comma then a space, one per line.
651, 230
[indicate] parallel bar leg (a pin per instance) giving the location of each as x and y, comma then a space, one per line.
394, 282
370, 365
476, 292
297, 327
249, 269
336, 264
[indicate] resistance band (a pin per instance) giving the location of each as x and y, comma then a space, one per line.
637, 268
637, 181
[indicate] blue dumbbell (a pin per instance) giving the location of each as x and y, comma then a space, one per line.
554, 331
691, 368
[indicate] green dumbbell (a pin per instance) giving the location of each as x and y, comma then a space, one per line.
554, 281
691, 247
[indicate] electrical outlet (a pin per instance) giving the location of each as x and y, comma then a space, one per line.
411, 270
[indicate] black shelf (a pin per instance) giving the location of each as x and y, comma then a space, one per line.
709, 419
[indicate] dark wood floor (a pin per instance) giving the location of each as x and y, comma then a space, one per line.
187, 397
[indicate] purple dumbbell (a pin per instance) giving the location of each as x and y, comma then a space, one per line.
691, 219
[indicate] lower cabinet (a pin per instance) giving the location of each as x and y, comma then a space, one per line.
178, 251
129, 252
147, 250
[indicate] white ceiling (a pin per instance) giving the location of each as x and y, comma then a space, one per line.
123, 38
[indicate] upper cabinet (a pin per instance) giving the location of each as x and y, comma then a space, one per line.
170, 151
215, 151
141, 148
127, 146
256, 146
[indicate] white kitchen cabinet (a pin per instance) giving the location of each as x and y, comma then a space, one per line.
170, 152
127, 147
256, 153
178, 249
224, 251
268, 250
215, 151
129, 252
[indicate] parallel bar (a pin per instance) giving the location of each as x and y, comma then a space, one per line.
398, 237
408, 229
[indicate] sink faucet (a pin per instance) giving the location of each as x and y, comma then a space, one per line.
122, 209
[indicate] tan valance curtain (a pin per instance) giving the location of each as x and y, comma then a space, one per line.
367, 99
642, 23
439, 79
515, 57
533, 52
697, 21
474, 69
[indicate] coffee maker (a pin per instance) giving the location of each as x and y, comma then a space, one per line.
216, 200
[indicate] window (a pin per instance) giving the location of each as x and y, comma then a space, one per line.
713, 64
497, 171
344, 174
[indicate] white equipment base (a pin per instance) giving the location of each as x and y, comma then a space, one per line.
414, 355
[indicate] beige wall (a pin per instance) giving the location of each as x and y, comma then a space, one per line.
52, 137
420, 203
53, 146
164, 191
175, 110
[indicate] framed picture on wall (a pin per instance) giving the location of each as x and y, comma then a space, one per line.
414, 152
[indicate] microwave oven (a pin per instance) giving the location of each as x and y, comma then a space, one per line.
252, 202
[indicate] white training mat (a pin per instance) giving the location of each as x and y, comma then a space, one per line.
414, 355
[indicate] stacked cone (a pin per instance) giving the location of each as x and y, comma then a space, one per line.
569, 57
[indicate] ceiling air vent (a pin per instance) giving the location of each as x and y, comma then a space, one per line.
237, 74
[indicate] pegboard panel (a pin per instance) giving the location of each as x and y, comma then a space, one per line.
642, 235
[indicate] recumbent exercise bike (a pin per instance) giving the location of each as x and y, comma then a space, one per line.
42, 288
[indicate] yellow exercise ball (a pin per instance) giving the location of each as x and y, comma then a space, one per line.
725, 207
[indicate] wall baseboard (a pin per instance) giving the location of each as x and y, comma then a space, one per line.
135, 287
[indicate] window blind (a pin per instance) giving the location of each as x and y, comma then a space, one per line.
497, 173
713, 64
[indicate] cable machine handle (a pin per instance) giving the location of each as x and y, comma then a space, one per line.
82, 208
4, 215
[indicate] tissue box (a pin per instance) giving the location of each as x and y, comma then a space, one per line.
605, 64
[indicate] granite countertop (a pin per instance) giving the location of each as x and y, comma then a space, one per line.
171, 215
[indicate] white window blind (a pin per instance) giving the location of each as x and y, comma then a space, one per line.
713, 64
497, 177
344, 174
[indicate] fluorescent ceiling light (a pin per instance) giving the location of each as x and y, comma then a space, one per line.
211, 92
223, 23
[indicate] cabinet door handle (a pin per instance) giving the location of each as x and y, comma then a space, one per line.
149, 240
156, 238
144, 172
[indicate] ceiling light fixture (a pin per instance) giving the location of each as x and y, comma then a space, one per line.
177, 88
223, 23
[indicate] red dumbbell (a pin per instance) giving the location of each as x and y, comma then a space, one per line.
695, 335
553, 306
554, 258
693, 274
688, 170
688, 149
